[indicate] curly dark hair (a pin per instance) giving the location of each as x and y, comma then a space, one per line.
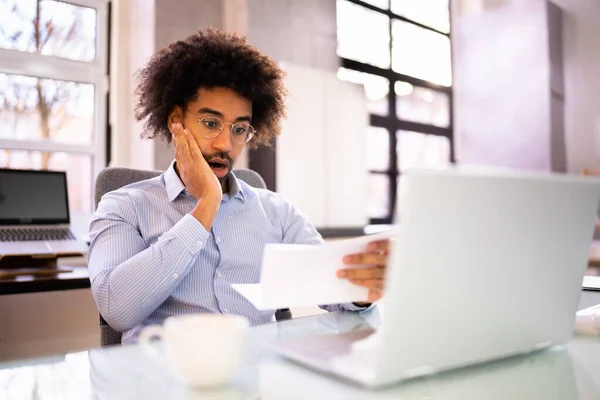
210, 58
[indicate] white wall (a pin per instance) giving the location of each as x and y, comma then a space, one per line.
581, 38
302, 32
132, 45
321, 152
501, 83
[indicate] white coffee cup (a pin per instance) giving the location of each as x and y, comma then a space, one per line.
206, 349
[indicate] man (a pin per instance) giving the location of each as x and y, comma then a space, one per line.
175, 244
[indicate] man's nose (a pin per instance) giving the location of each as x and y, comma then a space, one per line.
223, 141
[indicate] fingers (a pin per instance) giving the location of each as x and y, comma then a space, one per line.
362, 273
366, 258
184, 146
372, 277
193, 147
375, 295
376, 284
177, 141
187, 149
382, 246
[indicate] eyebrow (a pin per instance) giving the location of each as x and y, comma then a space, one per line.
205, 110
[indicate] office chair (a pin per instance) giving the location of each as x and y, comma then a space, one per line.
113, 178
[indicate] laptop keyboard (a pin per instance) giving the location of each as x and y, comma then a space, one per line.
29, 234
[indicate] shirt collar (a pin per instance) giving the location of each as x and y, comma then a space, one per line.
174, 186
235, 188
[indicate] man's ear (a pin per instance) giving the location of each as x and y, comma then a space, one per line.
176, 116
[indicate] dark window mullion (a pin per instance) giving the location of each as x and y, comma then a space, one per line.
392, 75
393, 141
451, 95
392, 15
423, 128
378, 121
451, 131
395, 125
391, 122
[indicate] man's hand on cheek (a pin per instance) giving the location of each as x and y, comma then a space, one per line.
195, 173
369, 270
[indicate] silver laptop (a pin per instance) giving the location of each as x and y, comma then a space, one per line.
34, 215
488, 264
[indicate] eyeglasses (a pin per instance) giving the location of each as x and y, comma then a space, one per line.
211, 127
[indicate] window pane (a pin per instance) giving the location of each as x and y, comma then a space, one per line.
433, 13
376, 87
78, 167
421, 53
64, 30
46, 109
419, 150
378, 187
383, 4
363, 35
378, 149
417, 104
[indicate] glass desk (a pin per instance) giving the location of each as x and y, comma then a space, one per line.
130, 372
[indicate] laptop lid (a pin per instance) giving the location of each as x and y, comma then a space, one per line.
30, 197
488, 264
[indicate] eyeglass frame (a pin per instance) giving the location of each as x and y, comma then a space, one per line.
223, 123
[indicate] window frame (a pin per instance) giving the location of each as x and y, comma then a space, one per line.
391, 122
95, 72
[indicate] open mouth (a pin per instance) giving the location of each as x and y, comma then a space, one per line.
217, 164
220, 167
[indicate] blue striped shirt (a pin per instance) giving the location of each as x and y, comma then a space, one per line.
149, 259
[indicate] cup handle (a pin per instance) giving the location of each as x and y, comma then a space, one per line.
146, 336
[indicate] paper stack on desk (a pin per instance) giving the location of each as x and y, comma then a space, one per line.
295, 275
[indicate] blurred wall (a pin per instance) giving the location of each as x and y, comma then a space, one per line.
526, 83
300, 32
502, 83
581, 38
132, 43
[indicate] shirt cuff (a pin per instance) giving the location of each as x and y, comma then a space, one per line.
191, 233
354, 307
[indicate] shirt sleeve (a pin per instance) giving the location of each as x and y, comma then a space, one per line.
129, 278
295, 226
298, 230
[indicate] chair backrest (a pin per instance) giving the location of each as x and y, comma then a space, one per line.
113, 178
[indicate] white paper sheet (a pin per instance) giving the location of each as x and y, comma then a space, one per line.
304, 275
591, 282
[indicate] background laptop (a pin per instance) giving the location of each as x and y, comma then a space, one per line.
486, 265
34, 214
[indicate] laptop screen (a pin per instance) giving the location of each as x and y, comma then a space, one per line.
33, 197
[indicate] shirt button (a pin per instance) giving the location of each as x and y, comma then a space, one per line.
225, 310
175, 276
218, 239
199, 243
219, 275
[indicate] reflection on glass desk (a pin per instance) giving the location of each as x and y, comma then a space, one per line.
130, 372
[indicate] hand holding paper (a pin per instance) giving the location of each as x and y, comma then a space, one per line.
300, 275
372, 277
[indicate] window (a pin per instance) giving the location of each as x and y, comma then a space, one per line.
53, 90
399, 50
